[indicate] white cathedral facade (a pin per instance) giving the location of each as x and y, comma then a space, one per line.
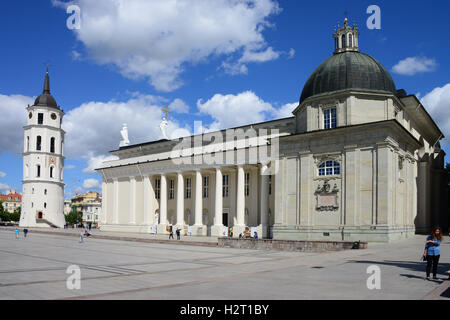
358, 160
43, 164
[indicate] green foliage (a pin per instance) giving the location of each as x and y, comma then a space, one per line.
73, 217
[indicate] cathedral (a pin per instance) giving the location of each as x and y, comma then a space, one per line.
357, 160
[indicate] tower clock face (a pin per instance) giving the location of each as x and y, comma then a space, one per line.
30, 115
53, 116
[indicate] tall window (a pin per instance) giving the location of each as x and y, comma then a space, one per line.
329, 168
205, 187
51, 171
270, 185
350, 40
344, 41
38, 171
247, 184
38, 143
52, 145
158, 189
28, 144
188, 188
172, 189
329, 118
225, 186
40, 118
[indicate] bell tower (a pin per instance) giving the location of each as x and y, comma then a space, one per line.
43, 163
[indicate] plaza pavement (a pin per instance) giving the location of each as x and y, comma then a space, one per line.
35, 268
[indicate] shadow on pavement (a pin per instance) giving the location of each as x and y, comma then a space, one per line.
407, 265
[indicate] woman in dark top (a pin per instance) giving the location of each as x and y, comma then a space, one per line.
433, 251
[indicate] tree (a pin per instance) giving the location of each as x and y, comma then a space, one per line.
3, 214
16, 215
74, 217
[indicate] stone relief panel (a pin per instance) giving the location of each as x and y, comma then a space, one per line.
327, 196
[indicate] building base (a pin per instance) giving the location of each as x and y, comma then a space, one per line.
379, 233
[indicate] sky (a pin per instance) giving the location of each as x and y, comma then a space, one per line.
223, 62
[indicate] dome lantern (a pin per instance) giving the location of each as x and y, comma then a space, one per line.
346, 38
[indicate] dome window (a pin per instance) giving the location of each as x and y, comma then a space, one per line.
330, 118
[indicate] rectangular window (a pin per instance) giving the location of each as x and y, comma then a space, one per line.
188, 188
40, 118
38, 173
205, 187
172, 189
330, 118
158, 189
247, 184
225, 186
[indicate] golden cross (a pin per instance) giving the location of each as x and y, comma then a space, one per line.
166, 111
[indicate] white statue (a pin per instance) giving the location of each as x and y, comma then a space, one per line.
164, 124
125, 142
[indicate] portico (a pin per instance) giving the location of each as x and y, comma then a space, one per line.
204, 201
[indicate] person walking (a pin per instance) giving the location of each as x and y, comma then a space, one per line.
433, 251
171, 233
178, 233
25, 232
16, 231
81, 237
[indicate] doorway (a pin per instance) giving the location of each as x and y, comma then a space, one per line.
225, 219
39, 215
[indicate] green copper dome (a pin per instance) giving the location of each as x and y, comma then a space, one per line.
348, 70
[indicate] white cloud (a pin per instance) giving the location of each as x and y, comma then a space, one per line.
413, 65
179, 106
91, 184
2, 174
437, 102
94, 127
261, 56
95, 162
285, 111
69, 167
234, 110
157, 39
245, 108
12, 120
4, 186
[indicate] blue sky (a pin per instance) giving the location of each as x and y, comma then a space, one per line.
248, 65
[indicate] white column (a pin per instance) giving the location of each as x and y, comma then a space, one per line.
104, 201
240, 197
116, 202
219, 199
180, 199
198, 199
148, 201
163, 201
132, 200
264, 196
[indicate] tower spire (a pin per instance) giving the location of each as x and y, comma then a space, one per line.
47, 83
